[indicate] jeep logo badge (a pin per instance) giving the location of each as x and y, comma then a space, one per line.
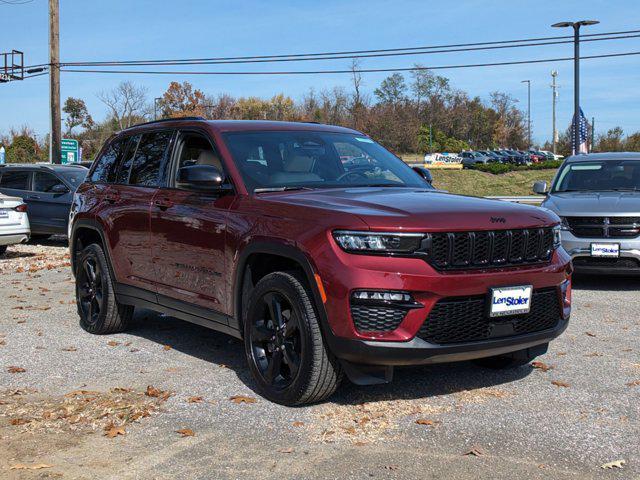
498, 220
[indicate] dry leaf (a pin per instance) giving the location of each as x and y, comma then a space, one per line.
425, 421
19, 421
590, 334
35, 466
195, 399
297, 424
475, 452
558, 383
186, 432
157, 393
113, 343
635, 383
242, 399
541, 366
14, 369
615, 464
286, 450
69, 349
166, 347
111, 431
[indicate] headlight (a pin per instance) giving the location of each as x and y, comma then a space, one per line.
557, 239
380, 243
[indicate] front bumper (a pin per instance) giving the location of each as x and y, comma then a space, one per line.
419, 352
580, 250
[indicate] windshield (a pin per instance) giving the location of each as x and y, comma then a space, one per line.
75, 177
303, 159
599, 176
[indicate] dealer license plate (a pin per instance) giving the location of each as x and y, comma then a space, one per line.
510, 300
605, 250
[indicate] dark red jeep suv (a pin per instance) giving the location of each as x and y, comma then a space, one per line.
320, 249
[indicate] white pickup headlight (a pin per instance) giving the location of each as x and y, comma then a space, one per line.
375, 242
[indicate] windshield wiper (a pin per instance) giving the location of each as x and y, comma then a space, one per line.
280, 189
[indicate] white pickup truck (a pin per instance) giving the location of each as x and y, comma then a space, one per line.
14, 223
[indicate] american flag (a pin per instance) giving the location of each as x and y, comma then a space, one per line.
582, 133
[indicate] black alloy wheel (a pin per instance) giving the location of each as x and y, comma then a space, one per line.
90, 291
275, 340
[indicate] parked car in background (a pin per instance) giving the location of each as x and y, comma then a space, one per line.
14, 223
541, 156
504, 156
551, 155
598, 198
469, 159
256, 229
47, 190
494, 156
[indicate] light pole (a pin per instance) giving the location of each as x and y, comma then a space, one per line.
576, 74
554, 88
528, 82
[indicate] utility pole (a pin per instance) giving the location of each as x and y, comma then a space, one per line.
55, 141
554, 89
593, 132
576, 75
528, 82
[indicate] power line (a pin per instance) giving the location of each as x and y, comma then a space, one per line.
356, 53
338, 57
365, 70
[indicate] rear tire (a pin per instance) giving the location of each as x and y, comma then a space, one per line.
283, 343
513, 359
3, 250
99, 311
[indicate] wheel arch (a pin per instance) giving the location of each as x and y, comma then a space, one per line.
84, 232
273, 253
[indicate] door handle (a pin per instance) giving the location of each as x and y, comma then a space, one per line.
34, 197
163, 203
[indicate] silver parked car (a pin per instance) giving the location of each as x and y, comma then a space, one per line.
598, 198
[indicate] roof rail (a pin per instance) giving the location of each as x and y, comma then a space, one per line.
151, 122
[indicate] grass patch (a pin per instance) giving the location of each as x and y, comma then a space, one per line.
481, 184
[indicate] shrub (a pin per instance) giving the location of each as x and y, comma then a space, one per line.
499, 168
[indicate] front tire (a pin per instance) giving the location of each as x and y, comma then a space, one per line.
99, 311
283, 343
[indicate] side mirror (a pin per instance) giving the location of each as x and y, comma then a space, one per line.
540, 187
424, 173
59, 188
201, 178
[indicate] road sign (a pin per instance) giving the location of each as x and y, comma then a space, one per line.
70, 151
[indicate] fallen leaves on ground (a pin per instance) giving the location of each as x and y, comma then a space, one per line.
111, 431
79, 410
157, 393
34, 466
14, 369
32, 257
541, 366
166, 347
186, 432
558, 383
113, 343
242, 399
286, 450
635, 383
69, 349
590, 334
614, 464
297, 424
195, 399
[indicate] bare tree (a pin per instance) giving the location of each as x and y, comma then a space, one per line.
357, 103
127, 103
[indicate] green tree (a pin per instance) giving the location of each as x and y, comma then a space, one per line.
632, 144
612, 141
77, 114
392, 90
23, 149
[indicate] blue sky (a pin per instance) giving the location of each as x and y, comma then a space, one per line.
137, 29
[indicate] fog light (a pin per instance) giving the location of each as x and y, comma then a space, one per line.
377, 296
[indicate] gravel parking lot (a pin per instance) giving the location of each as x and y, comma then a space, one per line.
169, 399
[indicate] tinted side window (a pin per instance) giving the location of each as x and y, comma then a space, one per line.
106, 165
15, 180
125, 166
44, 182
149, 158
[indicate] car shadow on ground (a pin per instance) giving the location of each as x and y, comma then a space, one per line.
51, 241
409, 382
605, 282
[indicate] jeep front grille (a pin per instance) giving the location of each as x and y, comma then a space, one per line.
489, 249
604, 227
